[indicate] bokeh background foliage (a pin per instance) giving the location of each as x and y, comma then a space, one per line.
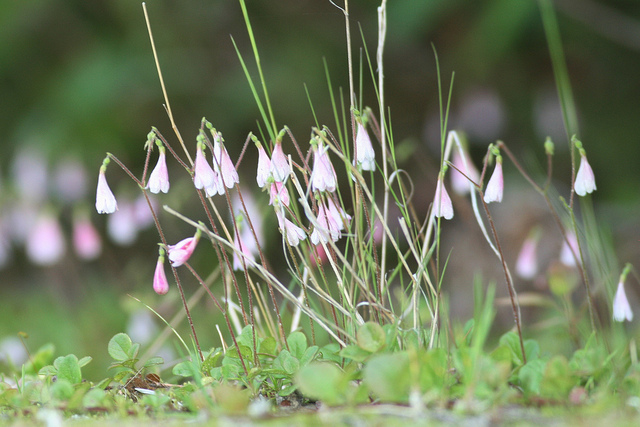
77, 79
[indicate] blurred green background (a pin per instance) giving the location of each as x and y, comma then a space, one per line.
77, 79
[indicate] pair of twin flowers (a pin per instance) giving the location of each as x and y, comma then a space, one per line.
272, 175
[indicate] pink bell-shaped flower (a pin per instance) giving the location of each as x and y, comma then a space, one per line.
279, 168
105, 200
326, 227
442, 202
323, 176
264, 166
585, 180
621, 307
159, 178
292, 232
204, 176
527, 262
222, 163
182, 251
278, 194
365, 156
495, 187
45, 244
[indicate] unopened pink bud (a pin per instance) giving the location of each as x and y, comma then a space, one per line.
160, 283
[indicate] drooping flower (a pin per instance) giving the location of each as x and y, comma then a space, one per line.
585, 180
159, 178
105, 200
365, 156
495, 187
325, 226
442, 202
241, 248
527, 263
567, 251
204, 176
279, 168
323, 176
182, 251
222, 163
86, 239
160, 283
459, 183
122, 226
264, 166
278, 194
621, 308
45, 244
292, 232
339, 215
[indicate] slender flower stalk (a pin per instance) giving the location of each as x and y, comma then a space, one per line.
182, 251
442, 202
105, 200
585, 182
621, 307
159, 178
495, 187
160, 283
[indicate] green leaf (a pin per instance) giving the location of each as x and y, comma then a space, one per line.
297, 342
558, 380
48, 370
246, 337
389, 376
511, 341
184, 369
286, 363
84, 361
153, 362
355, 353
309, 354
62, 390
68, 369
43, 357
531, 375
331, 352
94, 398
322, 381
121, 348
268, 346
371, 337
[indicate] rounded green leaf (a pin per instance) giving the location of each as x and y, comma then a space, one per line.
322, 381
68, 369
389, 377
120, 347
371, 337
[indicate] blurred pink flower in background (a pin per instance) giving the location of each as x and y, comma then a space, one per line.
86, 239
621, 308
29, 172
566, 254
527, 263
459, 183
45, 244
70, 179
122, 226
